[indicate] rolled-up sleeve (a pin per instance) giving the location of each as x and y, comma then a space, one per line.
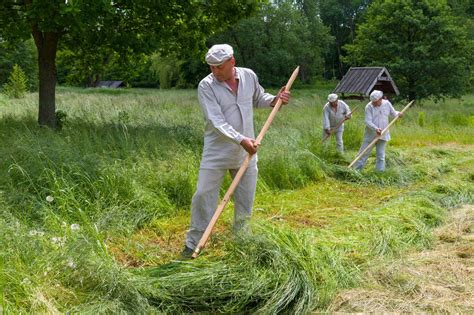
213, 113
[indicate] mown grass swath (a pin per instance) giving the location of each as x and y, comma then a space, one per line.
126, 162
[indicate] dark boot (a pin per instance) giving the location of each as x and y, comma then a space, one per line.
187, 252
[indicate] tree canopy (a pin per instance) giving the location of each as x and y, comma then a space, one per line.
341, 17
151, 42
420, 42
282, 36
122, 26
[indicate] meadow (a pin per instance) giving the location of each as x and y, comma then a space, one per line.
93, 216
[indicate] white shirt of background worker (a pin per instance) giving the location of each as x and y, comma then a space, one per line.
227, 97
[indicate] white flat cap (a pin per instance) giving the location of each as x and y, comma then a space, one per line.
376, 95
332, 97
218, 54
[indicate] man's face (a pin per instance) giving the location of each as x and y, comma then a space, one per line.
224, 71
377, 103
333, 104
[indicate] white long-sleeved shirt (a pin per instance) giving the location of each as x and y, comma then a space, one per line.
377, 117
331, 118
229, 118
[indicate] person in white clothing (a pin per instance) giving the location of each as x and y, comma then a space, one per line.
334, 112
377, 113
227, 97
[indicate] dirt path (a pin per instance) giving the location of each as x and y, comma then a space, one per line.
437, 280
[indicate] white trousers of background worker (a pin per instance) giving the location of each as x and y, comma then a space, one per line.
338, 136
380, 154
205, 199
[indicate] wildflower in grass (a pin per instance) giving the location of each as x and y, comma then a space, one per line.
70, 263
58, 241
49, 198
75, 227
48, 269
26, 281
36, 233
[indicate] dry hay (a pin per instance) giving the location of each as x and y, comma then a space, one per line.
436, 280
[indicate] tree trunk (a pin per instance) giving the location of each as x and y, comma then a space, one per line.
46, 44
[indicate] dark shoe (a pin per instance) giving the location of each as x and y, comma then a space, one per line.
187, 252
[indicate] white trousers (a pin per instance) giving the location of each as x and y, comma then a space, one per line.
380, 154
338, 136
205, 199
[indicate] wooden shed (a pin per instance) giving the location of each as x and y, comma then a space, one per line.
359, 82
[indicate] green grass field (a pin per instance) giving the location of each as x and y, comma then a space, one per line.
93, 216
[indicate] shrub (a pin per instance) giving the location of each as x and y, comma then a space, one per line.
421, 119
17, 84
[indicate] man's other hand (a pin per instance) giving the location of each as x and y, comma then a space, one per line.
250, 145
283, 95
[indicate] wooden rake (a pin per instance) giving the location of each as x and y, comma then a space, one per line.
242, 170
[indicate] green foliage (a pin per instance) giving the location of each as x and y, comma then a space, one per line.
341, 17
22, 53
17, 85
421, 119
429, 54
464, 11
168, 69
282, 37
85, 66
61, 119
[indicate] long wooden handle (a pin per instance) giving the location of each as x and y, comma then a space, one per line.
379, 136
339, 124
242, 170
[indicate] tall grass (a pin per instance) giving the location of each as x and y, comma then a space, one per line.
126, 160
277, 270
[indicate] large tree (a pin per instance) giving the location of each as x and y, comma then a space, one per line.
139, 25
426, 51
281, 36
341, 16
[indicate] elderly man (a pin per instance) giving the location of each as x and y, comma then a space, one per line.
227, 97
377, 113
335, 112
